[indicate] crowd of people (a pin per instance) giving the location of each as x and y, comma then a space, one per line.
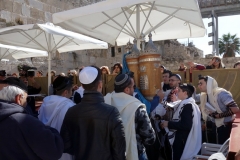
81, 123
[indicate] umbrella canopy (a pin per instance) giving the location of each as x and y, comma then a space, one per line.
119, 20
13, 52
48, 37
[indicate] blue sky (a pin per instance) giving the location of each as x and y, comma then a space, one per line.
225, 24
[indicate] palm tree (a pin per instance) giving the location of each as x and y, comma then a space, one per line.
229, 45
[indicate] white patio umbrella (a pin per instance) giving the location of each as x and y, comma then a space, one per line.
14, 52
119, 20
48, 37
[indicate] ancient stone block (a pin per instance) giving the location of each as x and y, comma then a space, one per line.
17, 8
31, 20
19, 1
34, 13
43, 1
48, 17
7, 5
6, 15
41, 15
40, 21
46, 8
92, 60
53, 9
36, 4
25, 10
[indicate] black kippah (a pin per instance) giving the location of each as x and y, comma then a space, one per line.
122, 80
13, 81
61, 82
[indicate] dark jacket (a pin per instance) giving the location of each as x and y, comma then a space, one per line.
24, 137
93, 129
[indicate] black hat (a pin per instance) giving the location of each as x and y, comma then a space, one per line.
13, 81
2, 73
188, 86
122, 81
61, 82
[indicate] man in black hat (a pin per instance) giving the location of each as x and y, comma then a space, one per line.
54, 107
93, 129
185, 127
137, 126
21, 135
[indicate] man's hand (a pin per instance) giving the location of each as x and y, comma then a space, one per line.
164, 124
211, 62
160, 94
174, 98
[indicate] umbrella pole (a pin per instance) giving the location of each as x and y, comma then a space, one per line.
49, 62
49, 72
138, 26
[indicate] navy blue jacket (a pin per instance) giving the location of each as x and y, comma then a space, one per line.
24, 137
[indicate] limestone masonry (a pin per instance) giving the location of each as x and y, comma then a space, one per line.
18, 12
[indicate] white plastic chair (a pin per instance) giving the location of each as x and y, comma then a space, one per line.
208, 149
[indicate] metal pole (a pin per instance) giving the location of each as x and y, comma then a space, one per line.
49, 62
216, 37
213, 31
138, 26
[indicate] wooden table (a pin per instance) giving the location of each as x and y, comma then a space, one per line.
234, 145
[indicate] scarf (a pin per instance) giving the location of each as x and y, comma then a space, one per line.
127, 106
212, 96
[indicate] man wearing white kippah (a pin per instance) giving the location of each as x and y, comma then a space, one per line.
93, 129
137, 126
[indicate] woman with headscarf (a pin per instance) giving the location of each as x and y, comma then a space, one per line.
105, 70
215, 63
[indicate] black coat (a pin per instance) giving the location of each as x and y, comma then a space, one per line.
24, 137
93, 129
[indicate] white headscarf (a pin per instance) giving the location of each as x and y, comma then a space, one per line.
212, 93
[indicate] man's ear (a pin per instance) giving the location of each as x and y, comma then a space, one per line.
18, 99
65, 92
100, 85
126, 90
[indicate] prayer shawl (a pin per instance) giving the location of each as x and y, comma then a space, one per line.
52, 113
212, 96
194, 140
127, 106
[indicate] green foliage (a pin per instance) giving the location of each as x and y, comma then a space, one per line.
229, 45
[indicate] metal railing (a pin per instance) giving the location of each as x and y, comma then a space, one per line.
215, 3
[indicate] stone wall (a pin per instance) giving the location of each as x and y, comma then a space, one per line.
35, 11
17, 12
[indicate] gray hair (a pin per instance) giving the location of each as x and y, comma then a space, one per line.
9, 93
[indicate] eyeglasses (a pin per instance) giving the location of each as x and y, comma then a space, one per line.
200, 83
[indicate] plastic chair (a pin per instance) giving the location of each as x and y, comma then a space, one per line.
208, 149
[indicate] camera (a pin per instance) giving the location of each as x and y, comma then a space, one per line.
2, 73
24, 69
30, 73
